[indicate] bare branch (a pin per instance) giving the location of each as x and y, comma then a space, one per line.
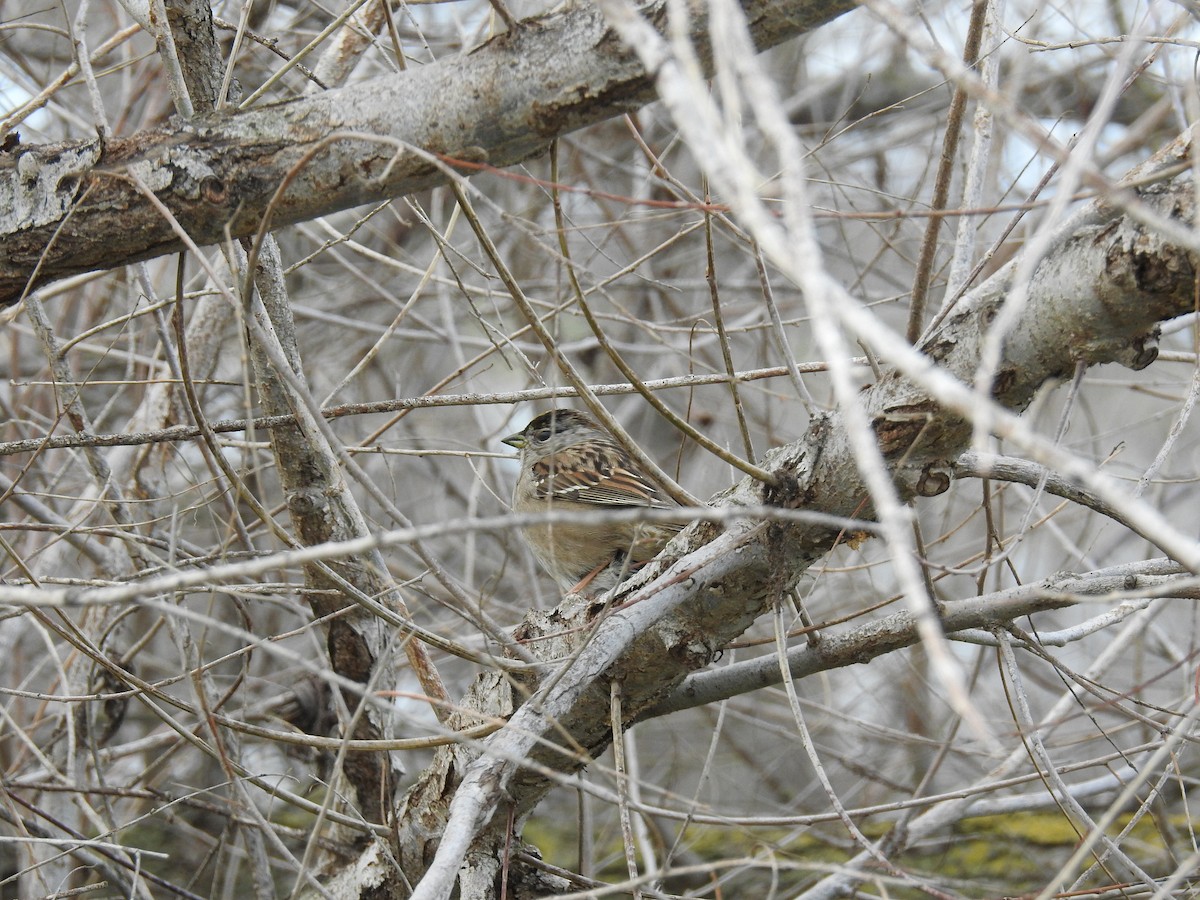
70, 208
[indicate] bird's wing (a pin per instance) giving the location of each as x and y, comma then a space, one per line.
602, 474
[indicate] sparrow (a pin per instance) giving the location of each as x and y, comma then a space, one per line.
570, 463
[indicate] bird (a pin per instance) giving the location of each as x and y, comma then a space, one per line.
570, 463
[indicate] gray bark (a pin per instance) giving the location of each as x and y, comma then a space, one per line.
69, 208
1097, 300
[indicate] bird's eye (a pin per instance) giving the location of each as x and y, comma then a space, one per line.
542, 435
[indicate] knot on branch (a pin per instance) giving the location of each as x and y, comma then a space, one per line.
1142, 351
935, 479
1136, 353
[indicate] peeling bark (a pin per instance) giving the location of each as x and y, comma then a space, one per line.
1097, 299
70, 208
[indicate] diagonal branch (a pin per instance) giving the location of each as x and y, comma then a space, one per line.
70, 208
1098, 300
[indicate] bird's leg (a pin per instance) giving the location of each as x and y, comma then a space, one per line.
620, 558
588, 578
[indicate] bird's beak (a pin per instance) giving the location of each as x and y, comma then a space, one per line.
514, 440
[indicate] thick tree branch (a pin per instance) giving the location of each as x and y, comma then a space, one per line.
875, 639
1097, 300
71, 208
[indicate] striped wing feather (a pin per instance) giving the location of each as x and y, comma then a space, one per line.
602, 474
